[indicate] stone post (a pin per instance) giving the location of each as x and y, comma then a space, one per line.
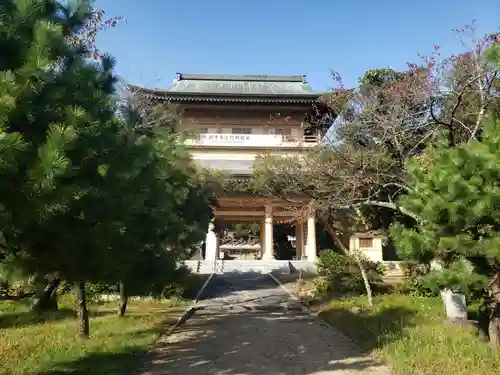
211, 243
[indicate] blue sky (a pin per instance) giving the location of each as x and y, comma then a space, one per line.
282, 37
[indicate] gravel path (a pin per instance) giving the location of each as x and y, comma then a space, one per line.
249, 326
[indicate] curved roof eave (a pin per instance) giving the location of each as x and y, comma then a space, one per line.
167, 94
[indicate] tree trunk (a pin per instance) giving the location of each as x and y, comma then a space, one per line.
47, 301
123, 299
82, 312
484, 319
345, 250
494, 327
494, 315
368, 287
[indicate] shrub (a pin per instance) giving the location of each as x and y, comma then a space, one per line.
320, 287
412, 279
413, 269
181, 284
416, 287
13, 283
185, 284
459, 277
340, 273
420, 280
96, 290
17, 288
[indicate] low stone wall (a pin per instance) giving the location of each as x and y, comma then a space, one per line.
259, 266
284, 266
301, 265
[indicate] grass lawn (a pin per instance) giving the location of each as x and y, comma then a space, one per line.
410, 334
49, 345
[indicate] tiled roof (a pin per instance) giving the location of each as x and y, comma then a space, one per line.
239, 84
232, 167
236, 86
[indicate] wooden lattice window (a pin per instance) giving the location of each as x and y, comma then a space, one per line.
366, 242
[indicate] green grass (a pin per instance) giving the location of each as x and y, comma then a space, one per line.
49, 345
411, 335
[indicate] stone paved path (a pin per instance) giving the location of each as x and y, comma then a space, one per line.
250, 326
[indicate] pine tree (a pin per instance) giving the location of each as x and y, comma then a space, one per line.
83, 196
164, 210
457, 198
456, 202
59, 132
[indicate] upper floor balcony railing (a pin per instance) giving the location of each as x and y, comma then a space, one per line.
251, 140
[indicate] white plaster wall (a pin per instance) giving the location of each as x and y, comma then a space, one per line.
235, 154
374, 254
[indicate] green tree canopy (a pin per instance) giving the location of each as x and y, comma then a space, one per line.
83, 195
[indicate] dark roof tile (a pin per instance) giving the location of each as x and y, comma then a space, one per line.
233, 167
239, 85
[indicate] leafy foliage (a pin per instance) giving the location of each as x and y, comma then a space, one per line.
459, 277
412, 283
85, 196
357, 175
13, 282
339, 273
456, 196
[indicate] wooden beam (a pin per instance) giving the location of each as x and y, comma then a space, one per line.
220, 213
232, 213
252, 201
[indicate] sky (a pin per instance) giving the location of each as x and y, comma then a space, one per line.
283, 37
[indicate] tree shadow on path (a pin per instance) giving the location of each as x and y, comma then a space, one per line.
255, 343
269, 337
234, 283
255, 339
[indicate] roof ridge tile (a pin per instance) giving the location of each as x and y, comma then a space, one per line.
240, 77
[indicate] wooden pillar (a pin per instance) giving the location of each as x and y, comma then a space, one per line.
268, 234
311, 237
262, 239
299, 239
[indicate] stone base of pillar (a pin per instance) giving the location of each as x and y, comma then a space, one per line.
312, 256
268, 256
